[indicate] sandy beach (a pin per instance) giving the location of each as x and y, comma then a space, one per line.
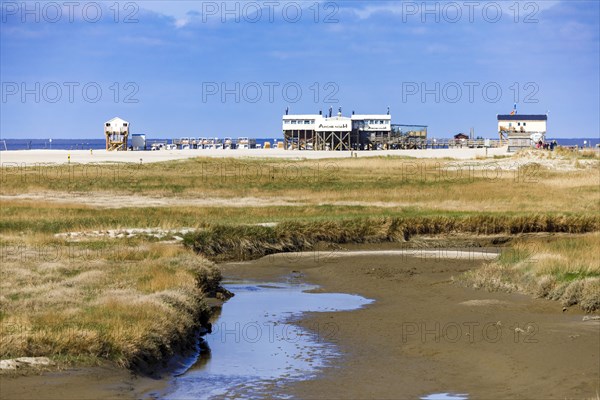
103, 156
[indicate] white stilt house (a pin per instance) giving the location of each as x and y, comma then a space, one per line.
356, 132
116, 131
521, 131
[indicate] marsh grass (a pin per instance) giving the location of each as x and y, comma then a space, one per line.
132, 300
442, 185
226, 242
27, 218
566, 269
131, 303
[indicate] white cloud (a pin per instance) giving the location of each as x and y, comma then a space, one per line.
412, 10
181, 22
214, 12
369, 11
174, 9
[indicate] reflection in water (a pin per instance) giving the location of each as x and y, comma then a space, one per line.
445, 396
201, 358
253, 350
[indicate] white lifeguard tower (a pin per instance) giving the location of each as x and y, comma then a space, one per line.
116, 131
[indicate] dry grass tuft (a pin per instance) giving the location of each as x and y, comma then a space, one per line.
128, 303
566, 269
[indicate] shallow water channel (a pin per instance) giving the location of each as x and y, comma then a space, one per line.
255, 350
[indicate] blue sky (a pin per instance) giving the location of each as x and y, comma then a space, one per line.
163, 65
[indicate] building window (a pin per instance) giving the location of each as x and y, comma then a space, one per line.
518, 124
524, 123
510, 124
293, 122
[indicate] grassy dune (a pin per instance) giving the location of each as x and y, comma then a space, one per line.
128, 302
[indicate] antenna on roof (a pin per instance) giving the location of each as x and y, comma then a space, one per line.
287, 110
352, 112
320, 112
330, 111
339, 111
388, 112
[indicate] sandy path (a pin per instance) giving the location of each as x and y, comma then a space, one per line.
401, 254
106, 200
103, 156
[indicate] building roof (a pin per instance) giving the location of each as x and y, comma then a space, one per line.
354, 116
371, 116
116, 119
522, 117
302, 116
337, 118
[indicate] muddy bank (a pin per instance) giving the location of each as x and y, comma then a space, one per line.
102, 382
248, 242
422, 335
426, 335
147, 371
147, 377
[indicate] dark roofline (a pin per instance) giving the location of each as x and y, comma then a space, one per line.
522, 117
416, 126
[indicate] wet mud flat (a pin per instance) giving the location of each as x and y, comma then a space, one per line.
254, 350
427, 336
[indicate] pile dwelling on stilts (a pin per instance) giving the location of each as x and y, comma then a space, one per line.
357, 132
